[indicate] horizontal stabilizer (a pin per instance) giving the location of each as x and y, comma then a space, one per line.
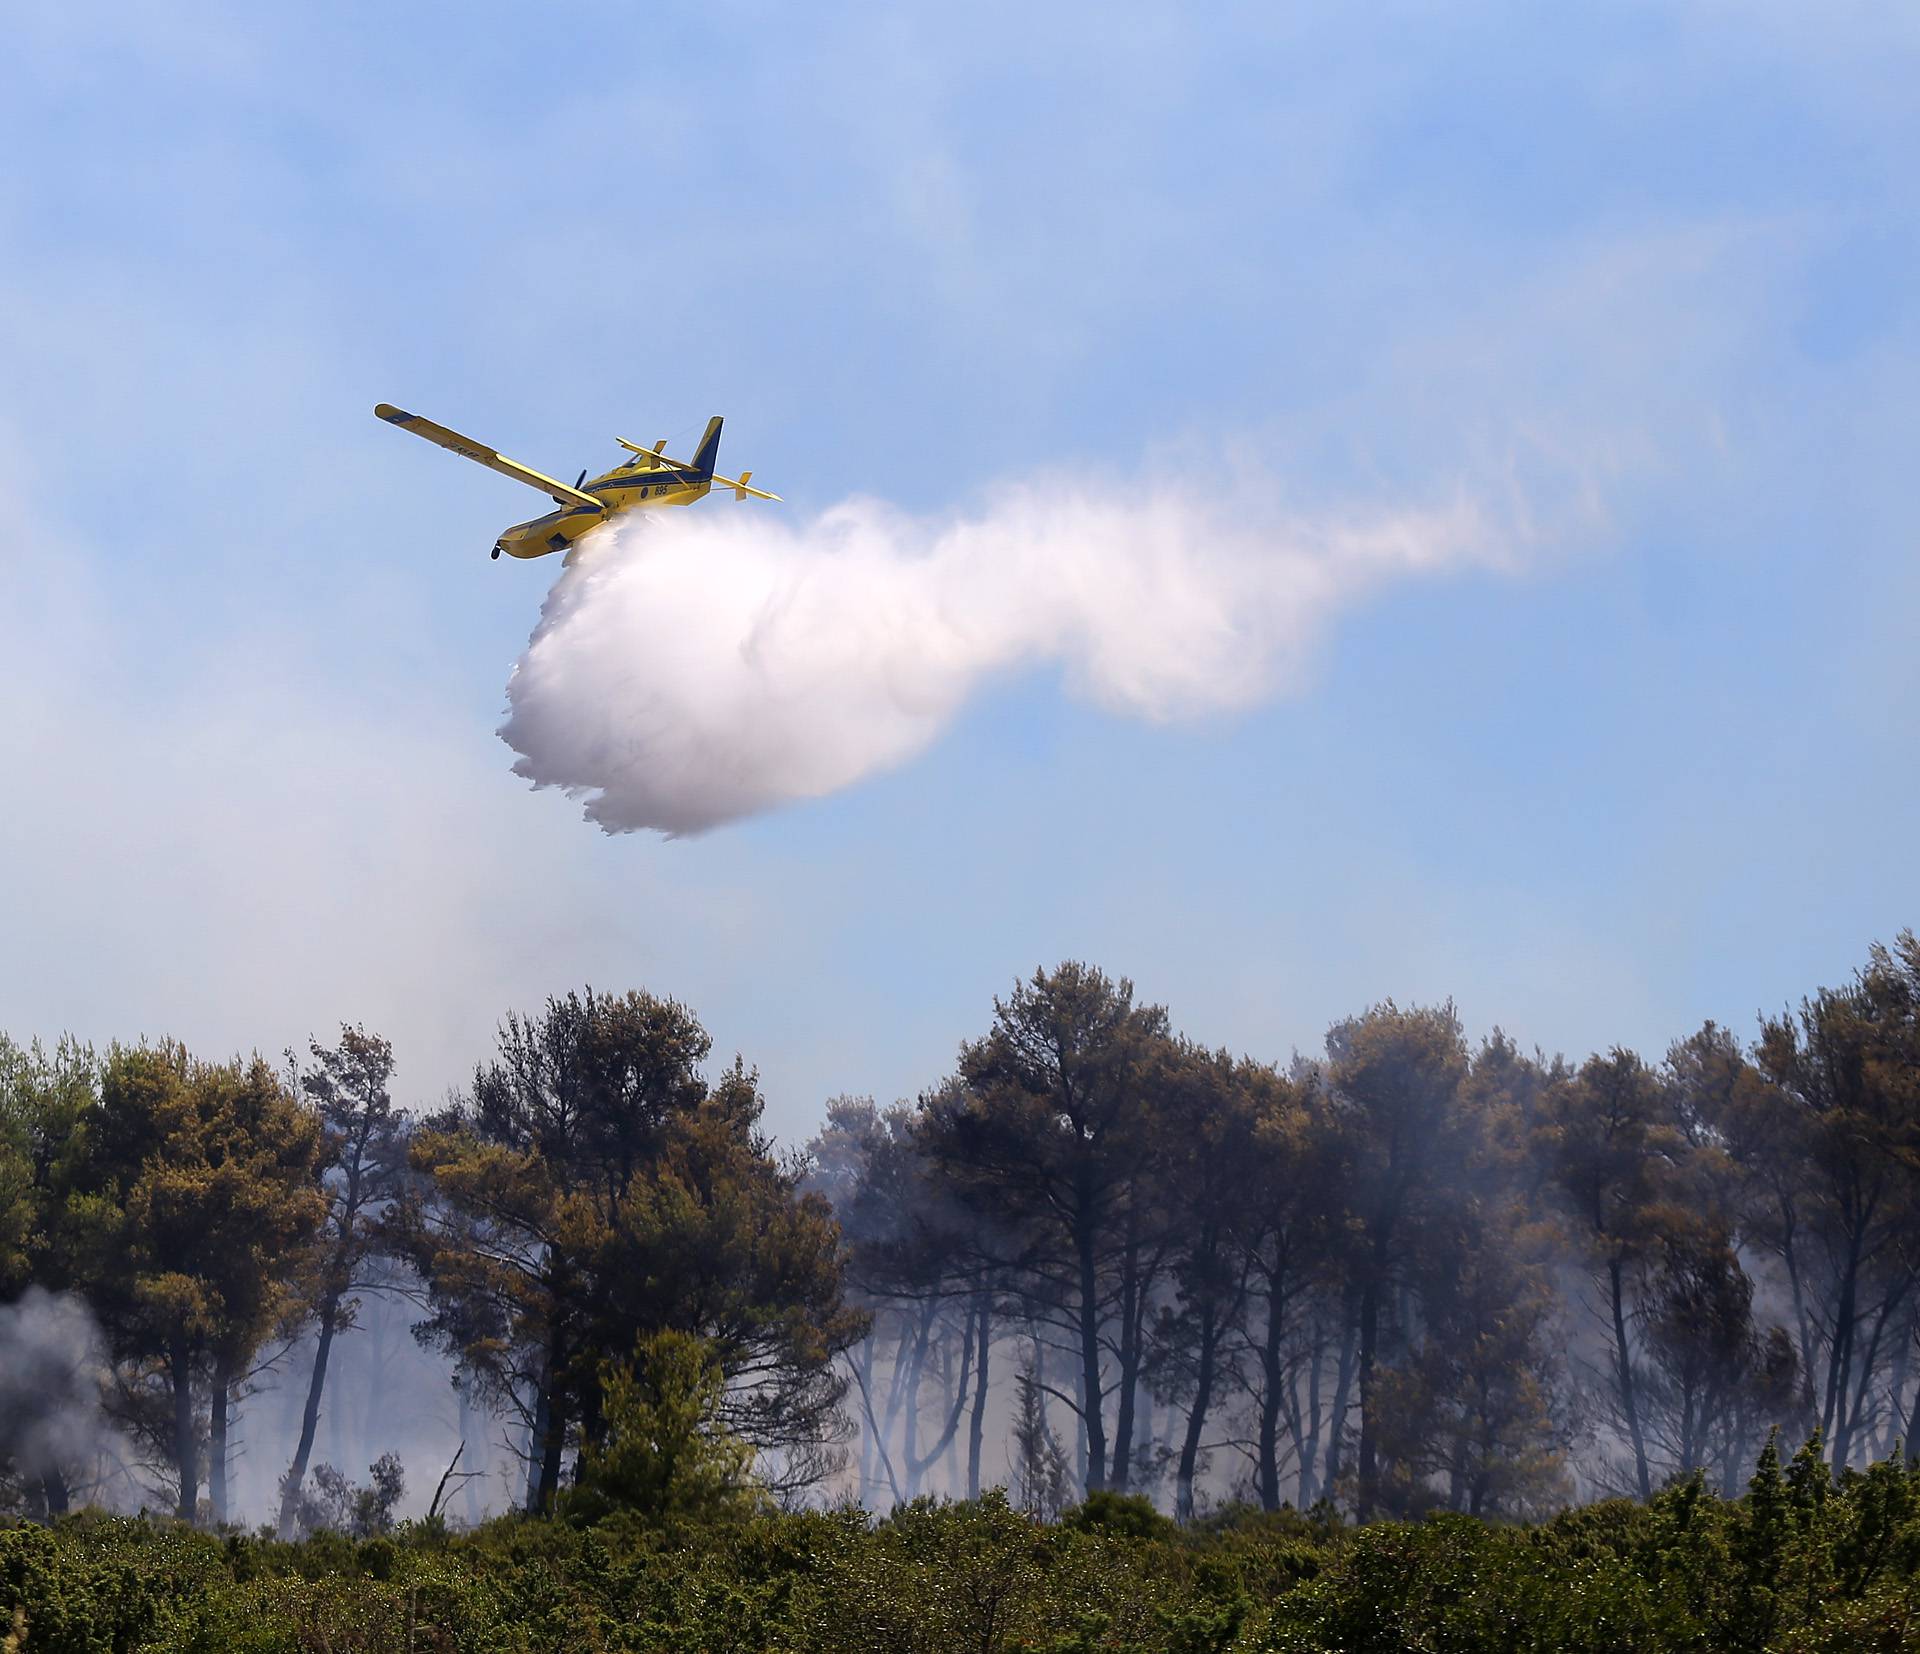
661, 461
741, 490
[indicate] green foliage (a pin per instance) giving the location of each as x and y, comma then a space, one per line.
90, 1586
664, 1455
44, 1097
1805, 1564
1125, 1515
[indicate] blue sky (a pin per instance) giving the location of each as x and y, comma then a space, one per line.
1648, 270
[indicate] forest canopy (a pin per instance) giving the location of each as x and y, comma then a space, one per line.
1409, 1273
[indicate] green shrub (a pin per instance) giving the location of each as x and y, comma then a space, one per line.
1127, 1515
1803, 1564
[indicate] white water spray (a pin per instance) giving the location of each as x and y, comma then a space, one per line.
693, 667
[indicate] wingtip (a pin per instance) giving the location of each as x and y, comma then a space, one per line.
387, 411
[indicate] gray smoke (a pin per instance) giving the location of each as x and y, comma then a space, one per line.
52, 1365
693, 667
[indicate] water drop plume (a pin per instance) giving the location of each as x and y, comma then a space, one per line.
693, 667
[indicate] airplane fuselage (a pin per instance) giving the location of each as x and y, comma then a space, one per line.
630, 487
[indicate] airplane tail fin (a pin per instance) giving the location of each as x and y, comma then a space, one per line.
707, 455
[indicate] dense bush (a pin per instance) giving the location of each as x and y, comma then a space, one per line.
1802, 1564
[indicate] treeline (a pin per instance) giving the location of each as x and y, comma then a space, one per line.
590, 1193
1407, 1274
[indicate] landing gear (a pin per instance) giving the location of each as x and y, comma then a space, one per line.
495, 554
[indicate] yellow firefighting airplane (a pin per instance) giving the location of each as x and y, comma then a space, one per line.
649, 479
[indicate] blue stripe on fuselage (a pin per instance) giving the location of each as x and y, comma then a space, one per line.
644, 479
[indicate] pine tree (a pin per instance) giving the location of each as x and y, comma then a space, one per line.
1042, 1480
664, 1451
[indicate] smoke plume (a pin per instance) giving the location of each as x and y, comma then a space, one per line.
693, 667
51, 1366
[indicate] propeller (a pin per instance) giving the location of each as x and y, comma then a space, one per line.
577, 481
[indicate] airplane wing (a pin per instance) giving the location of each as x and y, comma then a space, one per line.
481, 454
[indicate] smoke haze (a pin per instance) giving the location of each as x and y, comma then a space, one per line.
693, 667
52, 1364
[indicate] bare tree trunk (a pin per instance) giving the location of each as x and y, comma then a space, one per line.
1369, 1340
1911, 1451
865, 1379
555, 1446
1337, 1423
186, 1446
217, 1440
1306, 1431
1629, 1407
551, 1441
950, 1469
374, 1408
336, 1416
1734, 1433
910, 1431
592, 1419
907, 1367
1132, 1308
1092, 1425
56, 1497
1267, 1469
1080, 1450
976, 1428
1143, 1437
310, 1422
955, 1391
1854, 1413
1196, 1418
1896, 1387
1802, 1321
904, 1387
1840, 1356
536, 1435
479, 1459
